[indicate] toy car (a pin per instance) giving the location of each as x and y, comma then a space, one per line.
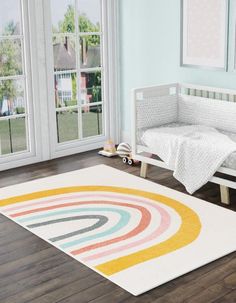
124, 151
128, 160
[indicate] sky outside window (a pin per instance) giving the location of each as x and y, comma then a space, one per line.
90, 8
9, 12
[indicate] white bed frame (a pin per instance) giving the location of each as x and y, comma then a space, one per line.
143, 154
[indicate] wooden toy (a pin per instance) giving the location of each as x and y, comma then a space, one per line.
109, 149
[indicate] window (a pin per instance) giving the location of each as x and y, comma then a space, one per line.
61, 107
13, 91
77, 34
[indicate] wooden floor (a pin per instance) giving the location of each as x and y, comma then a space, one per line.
33, 271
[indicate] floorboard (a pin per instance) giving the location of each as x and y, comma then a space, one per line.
32, 271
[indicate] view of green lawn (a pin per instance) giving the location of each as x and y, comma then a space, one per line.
16, 128
67, 126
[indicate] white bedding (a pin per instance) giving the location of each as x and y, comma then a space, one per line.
193, 152
230, 162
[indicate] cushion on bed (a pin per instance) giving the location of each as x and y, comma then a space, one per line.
156, 111
215, 113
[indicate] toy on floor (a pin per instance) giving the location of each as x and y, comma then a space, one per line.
124, 151
109, 149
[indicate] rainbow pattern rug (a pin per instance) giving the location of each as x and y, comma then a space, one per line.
133, 232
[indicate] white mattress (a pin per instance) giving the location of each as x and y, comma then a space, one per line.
230, 161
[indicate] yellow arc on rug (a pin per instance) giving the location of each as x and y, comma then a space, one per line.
188, 232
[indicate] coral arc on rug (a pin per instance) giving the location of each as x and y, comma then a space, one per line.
120, 230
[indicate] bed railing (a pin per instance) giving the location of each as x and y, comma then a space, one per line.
208, 92
144, 105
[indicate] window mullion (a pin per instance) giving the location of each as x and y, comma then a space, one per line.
91, 69
29, 134
77, 32
90, 33
92, 104
18, 77
11, 37
13, 117
102, 54
65, 72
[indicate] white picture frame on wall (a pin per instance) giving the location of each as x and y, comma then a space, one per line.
204, 34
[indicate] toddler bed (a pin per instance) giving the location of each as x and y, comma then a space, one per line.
178, 106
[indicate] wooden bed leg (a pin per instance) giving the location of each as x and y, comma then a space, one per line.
143, 170
224, 193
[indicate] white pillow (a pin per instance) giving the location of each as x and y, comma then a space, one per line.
210, 112
156, 111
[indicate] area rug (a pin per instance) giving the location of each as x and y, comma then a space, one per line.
134, 232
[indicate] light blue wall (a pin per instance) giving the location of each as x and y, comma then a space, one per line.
149, 50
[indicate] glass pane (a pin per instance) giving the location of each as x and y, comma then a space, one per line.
64, 53
65, 89
13, 136
67, 126
10, 17
90, 85
92, 121
89, 16
12, 100
90, 55
63, 16
10, 57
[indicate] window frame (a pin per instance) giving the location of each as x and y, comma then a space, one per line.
37, 43
108, 67
30, 155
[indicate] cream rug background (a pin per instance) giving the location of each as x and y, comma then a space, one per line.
134, 232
